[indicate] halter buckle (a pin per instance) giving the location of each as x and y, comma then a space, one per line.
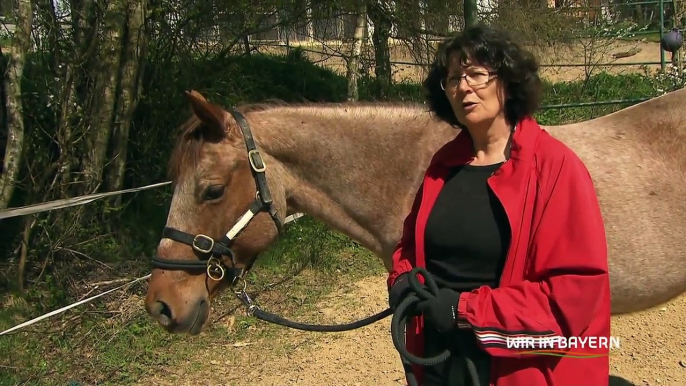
256, 161
215, 271
198, 248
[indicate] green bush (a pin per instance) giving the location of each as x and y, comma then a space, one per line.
598, 88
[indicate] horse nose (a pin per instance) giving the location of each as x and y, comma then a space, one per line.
161, 312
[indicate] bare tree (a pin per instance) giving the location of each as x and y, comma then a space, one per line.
380, 15
21, 42
354, 58
135, 43
105, 94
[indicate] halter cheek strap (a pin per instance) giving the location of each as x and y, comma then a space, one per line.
213, 251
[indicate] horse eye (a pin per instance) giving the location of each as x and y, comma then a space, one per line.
213, 192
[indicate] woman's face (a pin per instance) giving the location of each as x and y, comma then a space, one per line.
476, 94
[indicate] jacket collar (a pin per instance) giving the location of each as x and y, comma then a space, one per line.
460, 150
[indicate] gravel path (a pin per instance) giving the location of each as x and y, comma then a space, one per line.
653, 349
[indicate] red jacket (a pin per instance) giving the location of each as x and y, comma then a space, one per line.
555, 281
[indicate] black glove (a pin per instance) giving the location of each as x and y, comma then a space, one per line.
399, 290
441, 311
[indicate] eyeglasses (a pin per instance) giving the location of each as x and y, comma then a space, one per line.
473, 78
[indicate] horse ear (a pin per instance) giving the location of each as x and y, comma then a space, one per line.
214, 117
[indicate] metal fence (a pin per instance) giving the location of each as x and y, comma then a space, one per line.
627, 23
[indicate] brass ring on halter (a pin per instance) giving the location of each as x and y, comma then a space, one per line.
214, 265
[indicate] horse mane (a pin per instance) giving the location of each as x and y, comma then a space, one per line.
186, 152
272, 104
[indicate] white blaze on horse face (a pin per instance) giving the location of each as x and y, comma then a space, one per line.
181, 211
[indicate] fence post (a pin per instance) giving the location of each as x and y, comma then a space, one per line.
470, 13
662, 32
678, 56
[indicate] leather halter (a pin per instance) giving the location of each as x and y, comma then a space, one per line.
213, 251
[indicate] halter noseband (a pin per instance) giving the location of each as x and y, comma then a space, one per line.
213, 251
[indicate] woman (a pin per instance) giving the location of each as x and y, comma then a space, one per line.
508, 224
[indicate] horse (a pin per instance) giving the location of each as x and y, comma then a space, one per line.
357, 167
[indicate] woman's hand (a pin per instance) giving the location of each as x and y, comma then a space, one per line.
441, 311
399, 291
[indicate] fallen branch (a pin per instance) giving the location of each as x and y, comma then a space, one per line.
626, 54
108, 282
77, 253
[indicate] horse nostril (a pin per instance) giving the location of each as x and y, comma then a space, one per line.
163, 313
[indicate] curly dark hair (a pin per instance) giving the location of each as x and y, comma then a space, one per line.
495, 49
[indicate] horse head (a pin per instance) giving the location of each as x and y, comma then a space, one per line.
224, 211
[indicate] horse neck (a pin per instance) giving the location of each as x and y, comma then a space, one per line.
354, 167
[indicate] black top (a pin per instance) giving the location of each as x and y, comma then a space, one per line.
467, 233
466, 241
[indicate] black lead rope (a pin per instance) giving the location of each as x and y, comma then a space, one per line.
407, 309
254, 310
268, 317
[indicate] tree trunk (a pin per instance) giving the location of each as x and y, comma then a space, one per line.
74, 91
382, 53
356, 51
3, 111
437, 17
21, 42
106, 79
131, 75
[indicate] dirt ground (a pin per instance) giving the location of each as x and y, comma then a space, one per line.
652, 349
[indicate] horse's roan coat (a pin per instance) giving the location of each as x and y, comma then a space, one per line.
357, 167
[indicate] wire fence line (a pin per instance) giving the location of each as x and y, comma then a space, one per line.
582, 19
543, 107
82, 200
597, 65
69, 202
600, 27
396, 62
63, 309
27, 323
